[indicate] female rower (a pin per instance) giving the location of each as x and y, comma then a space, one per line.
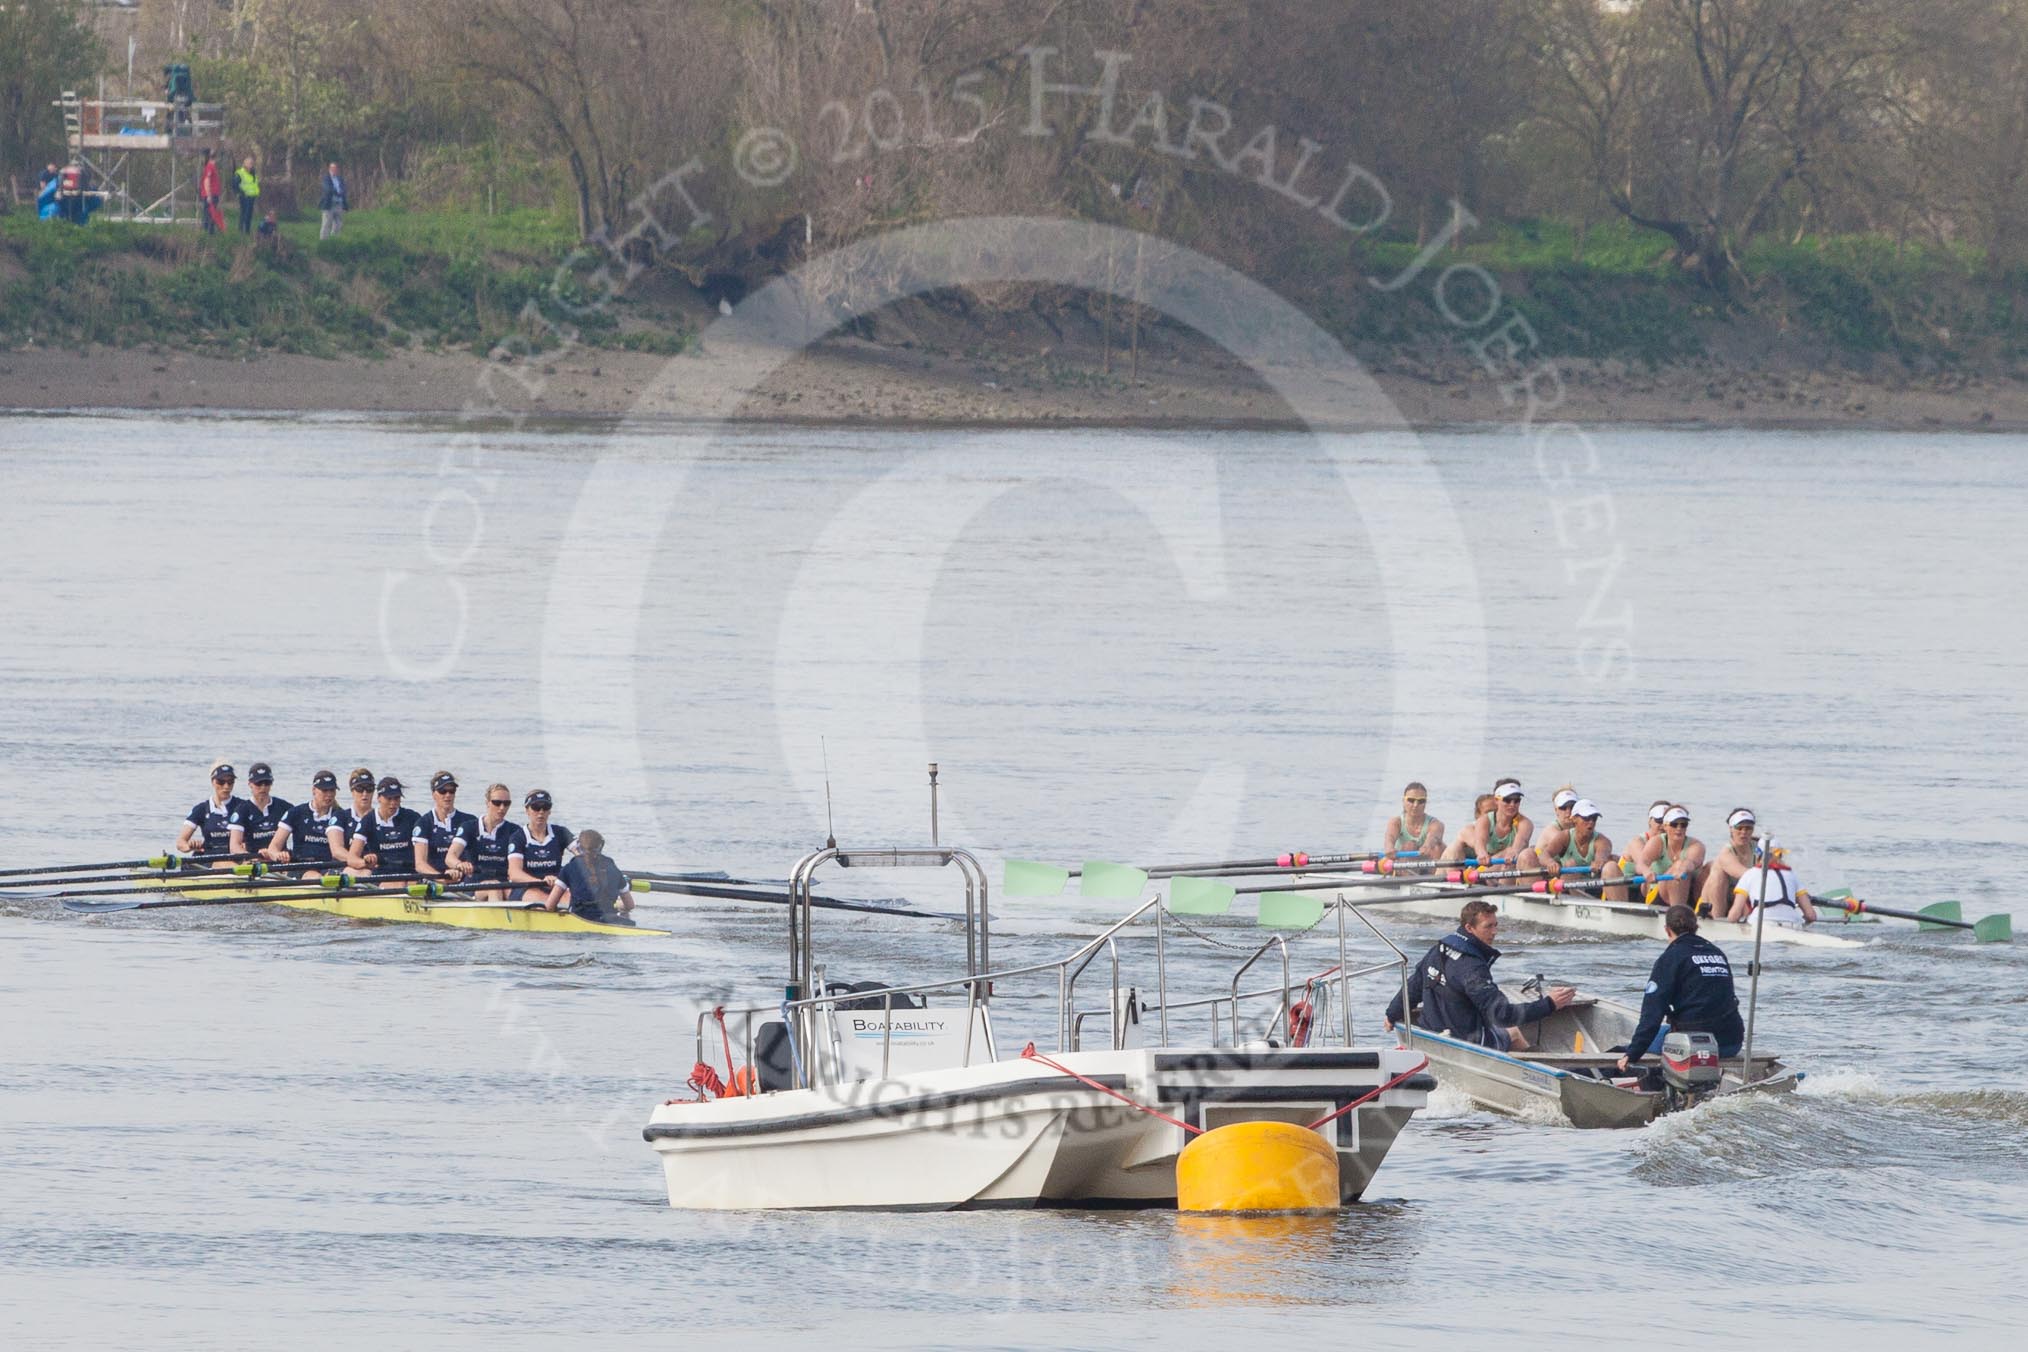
386, 841
1462, 848
596, 887
1729, 864
1652, 832
499, 841
447, 838
1675, 853
312, 832
1557, 834
361, 784
1414, 831
1585, 846
216, 826
266, 811
1501, 834
543, 849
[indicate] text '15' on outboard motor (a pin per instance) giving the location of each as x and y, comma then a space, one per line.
1690, 1065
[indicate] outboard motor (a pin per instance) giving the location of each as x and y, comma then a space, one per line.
1690, 1065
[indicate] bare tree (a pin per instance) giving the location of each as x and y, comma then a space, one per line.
1697, 117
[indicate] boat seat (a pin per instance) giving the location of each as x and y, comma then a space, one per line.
771, 1057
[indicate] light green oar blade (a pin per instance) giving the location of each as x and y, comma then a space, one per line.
1941, 910
1199, 896
1025, 878
1994, 929
1102, 881
1290, 910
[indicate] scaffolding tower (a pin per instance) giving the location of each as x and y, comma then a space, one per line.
144, 154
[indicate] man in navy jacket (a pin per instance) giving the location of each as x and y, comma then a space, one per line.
1453, 990
332, 201
1691, 987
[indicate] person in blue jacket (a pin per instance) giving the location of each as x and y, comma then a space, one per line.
595, 885
1690, 988
1453, 991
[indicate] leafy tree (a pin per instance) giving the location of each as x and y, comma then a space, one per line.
46, 46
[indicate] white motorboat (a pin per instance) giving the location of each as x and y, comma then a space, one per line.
1568, 1068
907, 1096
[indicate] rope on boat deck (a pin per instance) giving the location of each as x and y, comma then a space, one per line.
1029, 1053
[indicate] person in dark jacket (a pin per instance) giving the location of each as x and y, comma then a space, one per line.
1691, 988
597, 889
332, 202
1453, 991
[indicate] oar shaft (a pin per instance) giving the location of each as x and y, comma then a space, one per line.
160, 861
1855, 906
1291, 860
775, 898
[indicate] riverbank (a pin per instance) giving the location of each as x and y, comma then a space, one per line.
399, 314
857, 381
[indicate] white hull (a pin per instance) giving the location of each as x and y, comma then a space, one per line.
1017, 1133
1632, 920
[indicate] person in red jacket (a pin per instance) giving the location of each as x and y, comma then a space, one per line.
210, 192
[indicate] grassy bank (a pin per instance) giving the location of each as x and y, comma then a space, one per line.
448, 281
392, 280
1853, 299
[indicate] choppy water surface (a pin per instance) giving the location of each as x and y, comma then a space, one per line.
232, 1127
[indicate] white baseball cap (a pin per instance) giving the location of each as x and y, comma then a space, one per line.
1564, 798
1658, 811
1674, 815
1507, 788
1742, 817
1584, 807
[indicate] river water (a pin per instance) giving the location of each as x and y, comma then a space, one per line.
230, 1128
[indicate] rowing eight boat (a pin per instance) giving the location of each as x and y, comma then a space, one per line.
1627, 919
376, 904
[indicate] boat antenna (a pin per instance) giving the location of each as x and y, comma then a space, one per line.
1765, 848
830, 836
933, 803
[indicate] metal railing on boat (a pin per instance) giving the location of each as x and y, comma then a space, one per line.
807, 998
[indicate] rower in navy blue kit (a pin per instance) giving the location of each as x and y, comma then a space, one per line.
1690, 988
1452, 990
361, 783
318, 831
498, 841
386, 841
216, 826
447, 841
544, 847
265, 811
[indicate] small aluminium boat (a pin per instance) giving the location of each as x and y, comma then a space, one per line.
914, 1097
1569, 1069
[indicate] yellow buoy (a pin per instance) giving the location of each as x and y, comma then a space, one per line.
1257, 1166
